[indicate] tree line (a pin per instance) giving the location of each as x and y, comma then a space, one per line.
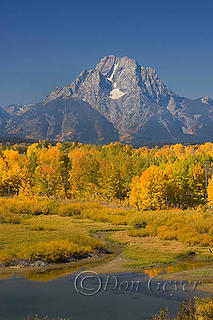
171, 176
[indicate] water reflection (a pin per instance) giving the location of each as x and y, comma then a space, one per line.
43, 294
180, 266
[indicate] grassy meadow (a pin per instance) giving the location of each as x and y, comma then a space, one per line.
53, 232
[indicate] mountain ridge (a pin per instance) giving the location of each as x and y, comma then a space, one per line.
118, 100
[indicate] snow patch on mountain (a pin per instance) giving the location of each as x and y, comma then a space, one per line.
206, 100
113, 72
116, 93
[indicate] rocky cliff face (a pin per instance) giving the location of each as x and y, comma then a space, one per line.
69, 119
17, 109
4, 119
118, 100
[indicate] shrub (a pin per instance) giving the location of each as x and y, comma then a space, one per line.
83, 240
138, 222
211, 231
61, 250
69, 210
138, 233
55, 251
166, 233
186, 226
105, 214
204, 308
6, 257
198, 309
26, 206
7, 217
205, 240
188, 236
163, 315
39, 228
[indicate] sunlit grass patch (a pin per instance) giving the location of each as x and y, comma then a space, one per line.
36, 227
141, 252
15, 239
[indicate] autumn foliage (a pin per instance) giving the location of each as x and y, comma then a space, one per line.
197, 309
151, 190
171, 176
210, 192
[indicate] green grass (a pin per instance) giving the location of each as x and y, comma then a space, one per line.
149, 238
149, 251
16, 239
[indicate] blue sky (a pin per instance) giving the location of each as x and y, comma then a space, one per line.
45, 44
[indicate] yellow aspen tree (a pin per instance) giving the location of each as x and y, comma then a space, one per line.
49, 172
179, 150
83, 176
210, 192
150, 191
135, 199
13, 170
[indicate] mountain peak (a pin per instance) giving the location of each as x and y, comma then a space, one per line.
108, 61
133, 103
116, 78
206, 100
